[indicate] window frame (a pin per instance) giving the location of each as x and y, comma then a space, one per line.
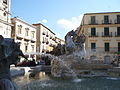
118, 46
93, 46
118, 31
106, 19
107, 47
118, 19
106, 31
93, 31
26, 31
93, 20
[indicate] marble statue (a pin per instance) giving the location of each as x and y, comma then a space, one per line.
74, 42
9, 54
70, 45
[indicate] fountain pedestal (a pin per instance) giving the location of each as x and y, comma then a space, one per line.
73, 66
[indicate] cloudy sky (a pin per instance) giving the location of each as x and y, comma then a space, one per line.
60, 16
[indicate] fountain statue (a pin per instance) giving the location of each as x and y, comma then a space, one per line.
9, 54
75, 61
70, 45
74, 42
75, 51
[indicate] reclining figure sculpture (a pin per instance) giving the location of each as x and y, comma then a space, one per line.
9, 54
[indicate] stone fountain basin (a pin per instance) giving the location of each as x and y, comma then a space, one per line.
72, 65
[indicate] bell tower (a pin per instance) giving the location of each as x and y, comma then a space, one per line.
5, 16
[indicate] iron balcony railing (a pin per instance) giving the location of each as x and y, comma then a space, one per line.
93, 22
117, 34
93, 35
107, 35
106, 21
110, 34
117, 21
96, 22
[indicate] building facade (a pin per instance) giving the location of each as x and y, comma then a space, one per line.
59, 41
25, 34
5, 22
45, 39
102, 32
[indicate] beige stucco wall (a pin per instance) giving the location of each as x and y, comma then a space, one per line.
99, 39
44, 47
100, 17
29, 40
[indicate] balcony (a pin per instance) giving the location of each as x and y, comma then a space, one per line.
20, 36
94, 35
27, 37
117, 21
53, 39
43, 33
117, 34
47, 42
104, 22
93, 23
107, 22
33, 39
43, 41
101, 22
107, 35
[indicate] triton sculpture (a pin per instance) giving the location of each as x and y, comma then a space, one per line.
9, 54
74, 42
68, 64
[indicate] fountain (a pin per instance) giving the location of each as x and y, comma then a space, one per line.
75, 63
9, 54
66, 65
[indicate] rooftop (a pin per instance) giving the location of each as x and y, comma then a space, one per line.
44, 26
102, 13
20, 20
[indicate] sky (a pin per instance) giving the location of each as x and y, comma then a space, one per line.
60, 16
